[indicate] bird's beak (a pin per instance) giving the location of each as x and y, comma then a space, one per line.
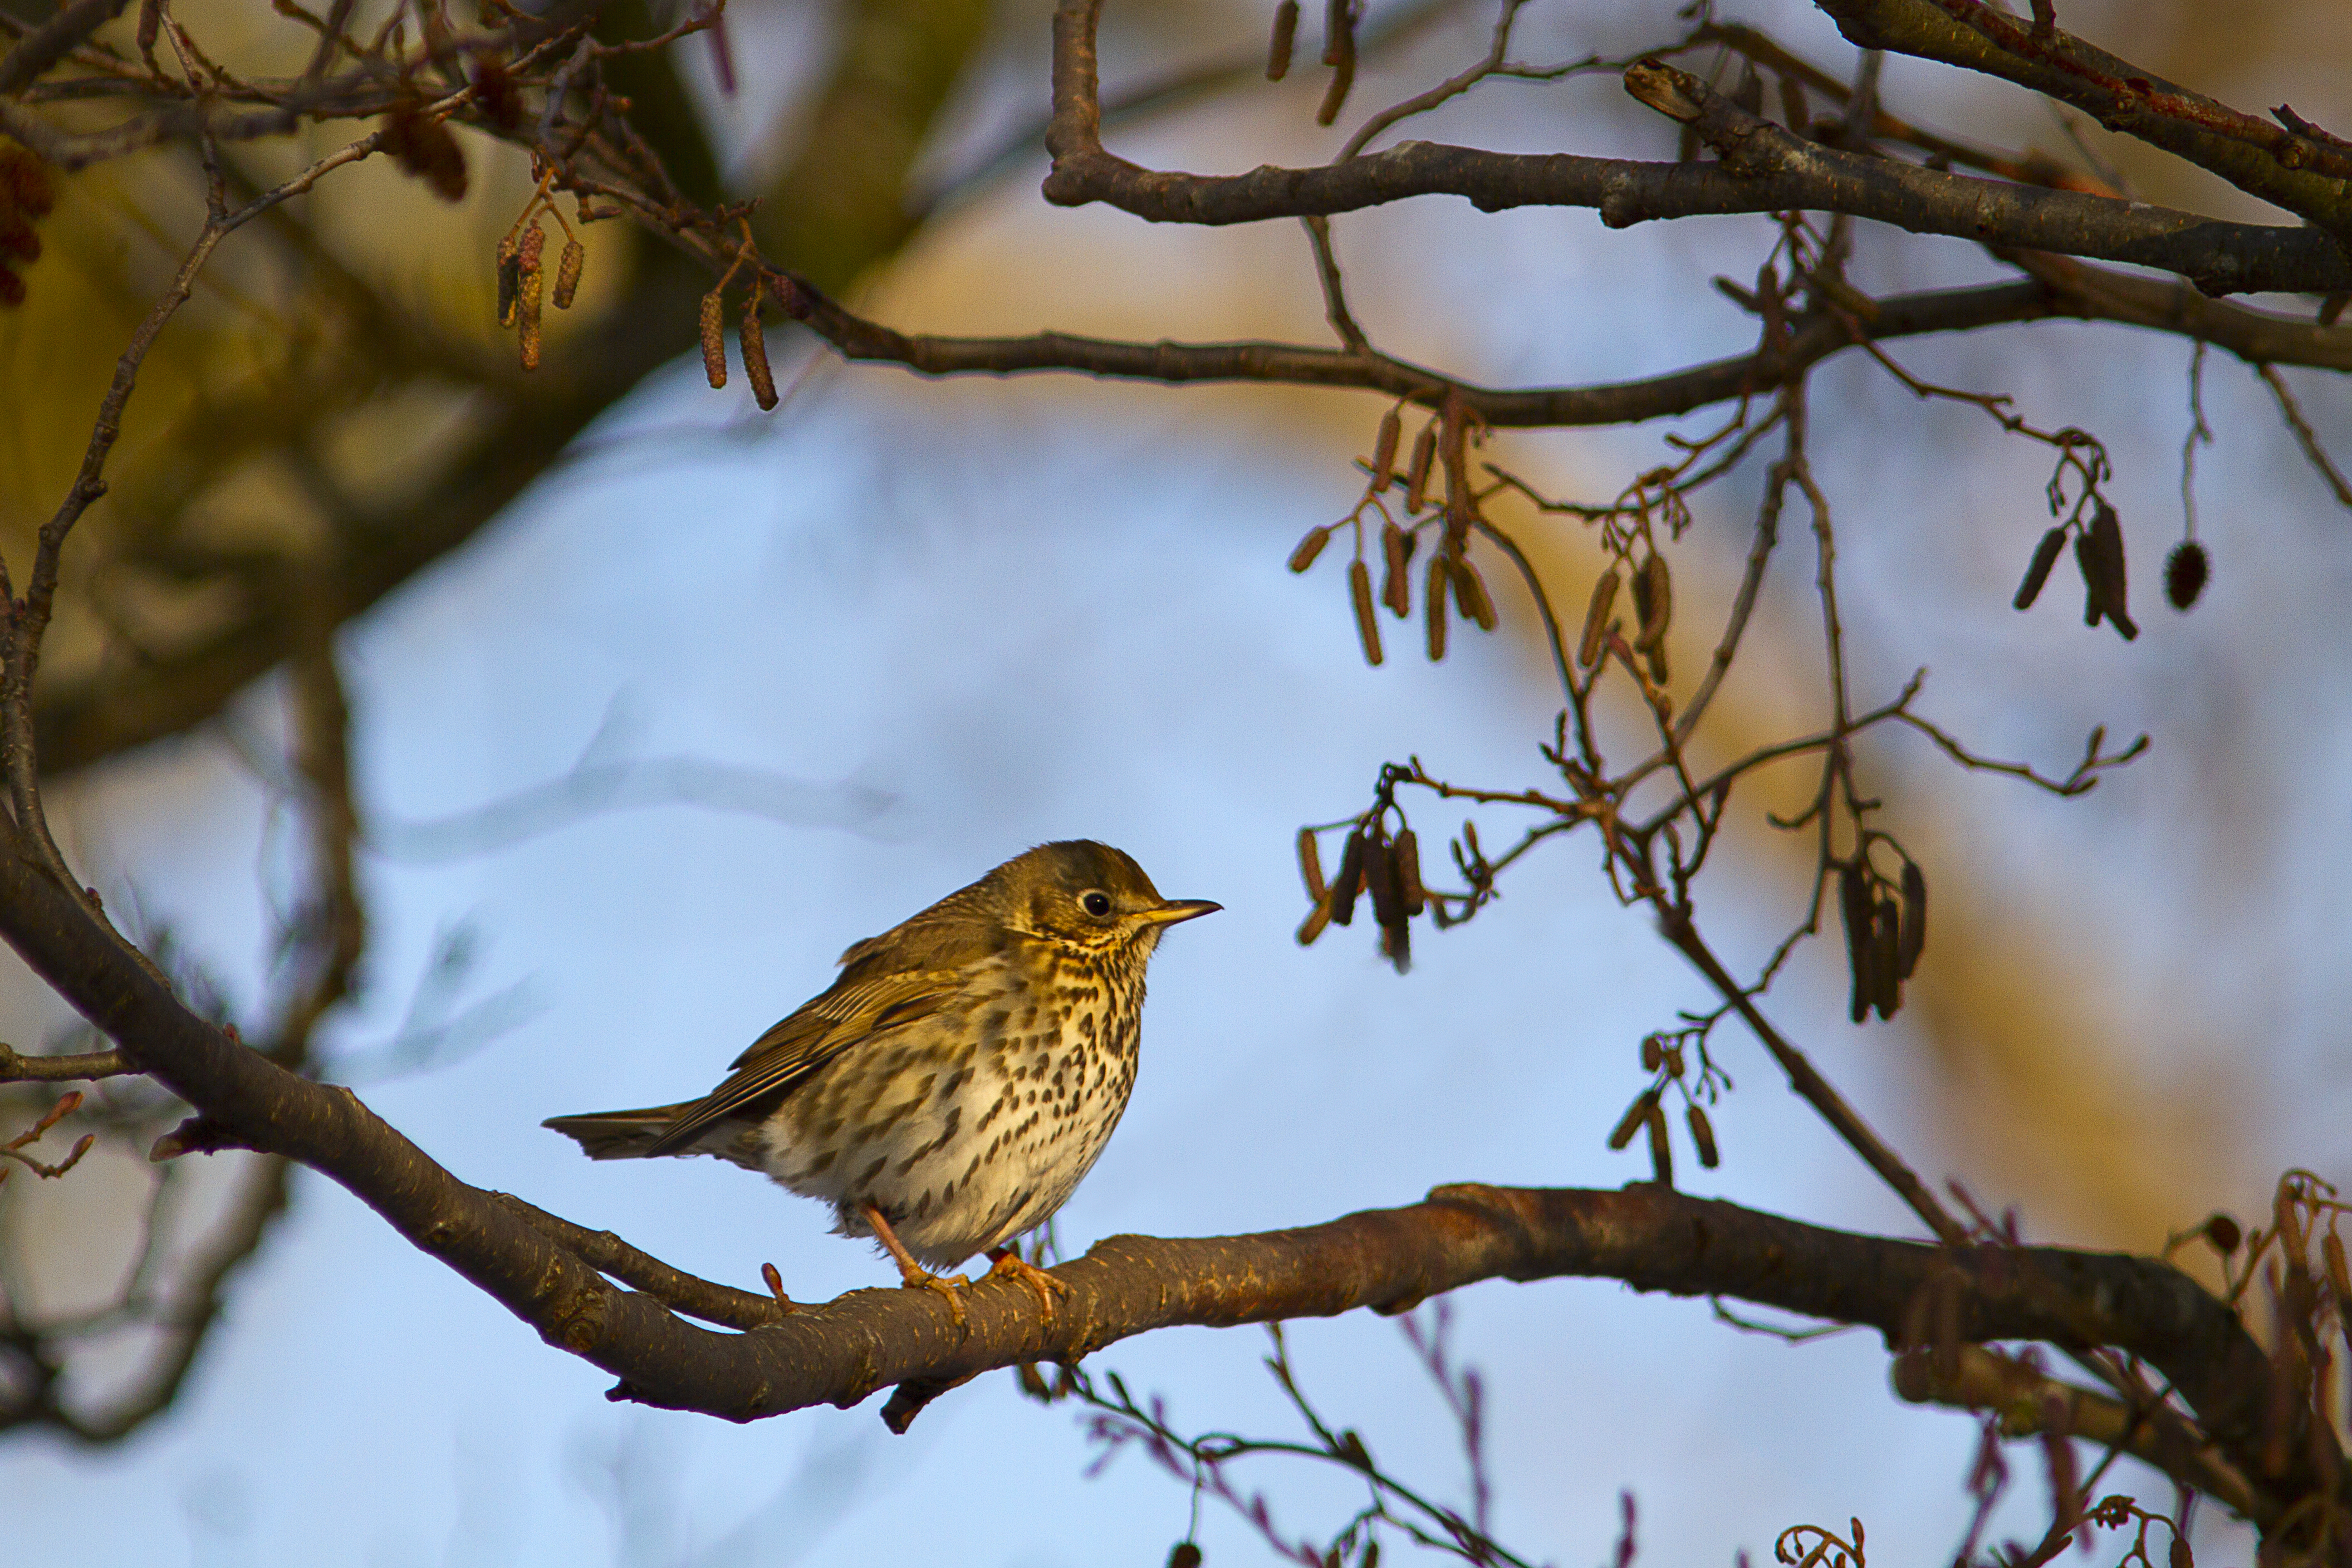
1176, 909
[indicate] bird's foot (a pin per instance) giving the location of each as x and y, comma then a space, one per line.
949, 1287
1007, 1263
913, 1274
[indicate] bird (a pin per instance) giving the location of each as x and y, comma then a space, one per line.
948, 1091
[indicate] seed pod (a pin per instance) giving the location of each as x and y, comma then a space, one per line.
1854, 905
1630, 1122
2339, 1277
150, 25
1655, 659
1312, 926
755, 353
1310, 863
530, 284
1914, 916
1384, 449
2037, 571
1886, 957
510, 278
1407, 850
714, 341
1309, 548
1596, 619
1396, 584
1359, 593
1653, 601
2223, 1233
2185, 571
1671, 1055
567, 273
2177, 1555
1184, 1554
1662, 1153
1416, 475
1381, 880
1470, 592
1702, 1133
1432, 607
1285, 34
1654, 1055
1350, 879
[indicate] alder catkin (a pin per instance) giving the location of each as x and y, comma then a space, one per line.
1702, 1133
1309, 548
1416, 476
1396, 580
510, 277
1653, 601
1286, 35
1914, 916
2037, 571
714, 339
1334, 97
1886, 957
1350, 879
1860, 920
1433, 604
1310, 863
1470, 592
1360, 594
754, 339
1384, 449
1596, 619
1662, 1153
1312, 926
567, 273
529, 288
1407, 850
1381, 882
1630, 1122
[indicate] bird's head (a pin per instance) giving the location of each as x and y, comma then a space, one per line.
1090, 896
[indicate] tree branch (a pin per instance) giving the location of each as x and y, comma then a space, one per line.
1649, 1236
1774, 171
2303, 176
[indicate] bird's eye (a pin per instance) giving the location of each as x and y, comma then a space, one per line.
1095, 904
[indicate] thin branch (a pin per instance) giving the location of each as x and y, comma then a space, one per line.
2304, 435
17, 1068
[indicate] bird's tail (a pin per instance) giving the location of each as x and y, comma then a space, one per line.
620, 1134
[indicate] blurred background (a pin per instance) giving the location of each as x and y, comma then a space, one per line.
657, 702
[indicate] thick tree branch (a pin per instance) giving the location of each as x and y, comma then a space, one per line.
1651, 1237
1774, 171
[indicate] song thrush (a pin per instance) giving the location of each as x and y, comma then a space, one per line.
950, 1089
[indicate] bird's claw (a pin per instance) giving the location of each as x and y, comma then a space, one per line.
947, 1285
1008, 1264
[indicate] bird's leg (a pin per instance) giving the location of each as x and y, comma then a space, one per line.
915, 1276
1009, 1263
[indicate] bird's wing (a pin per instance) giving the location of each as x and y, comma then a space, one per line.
854, 1009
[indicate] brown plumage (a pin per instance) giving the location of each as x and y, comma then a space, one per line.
950, 1089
